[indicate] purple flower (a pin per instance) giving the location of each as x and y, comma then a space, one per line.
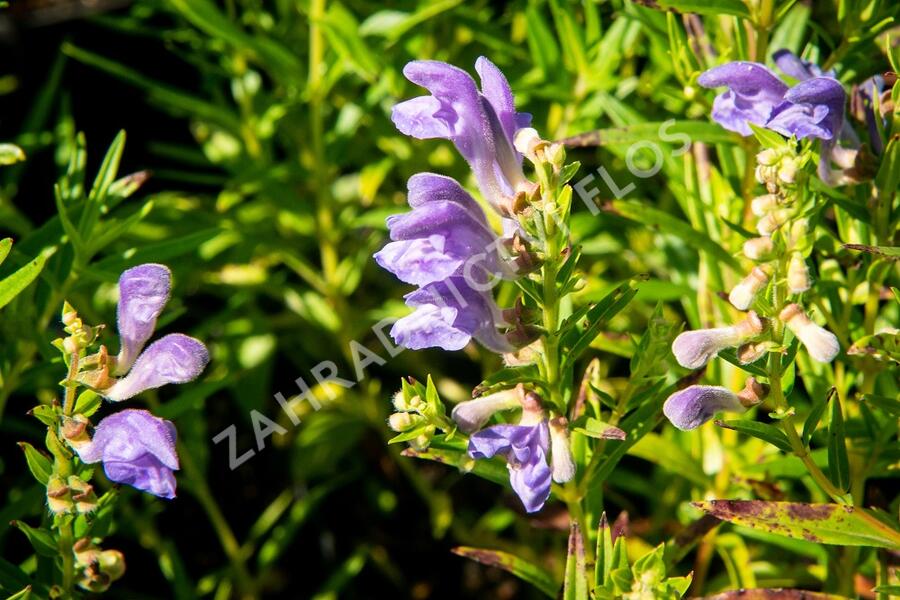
445, 234
143, 292
176, 358
794, 66
481, 123
695, 405
754, 92
136, 449
814, 108
448, 314
693, 349
525, 448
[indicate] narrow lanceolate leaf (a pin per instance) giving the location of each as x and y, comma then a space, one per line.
38, 464
838, 462
815, 415
41, 540
13, 285
819, 523
884, 346
521, 568
763, 431
773, 594
889, 252
702, 7
5, 246
576, 584
671, 132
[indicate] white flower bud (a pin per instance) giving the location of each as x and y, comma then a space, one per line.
787, 171
693, 349
742, 295
760, 248
562, 462
767, 157
761, 205
798, 275
401, 421
527, 142
471, 415
822, 345
771, 222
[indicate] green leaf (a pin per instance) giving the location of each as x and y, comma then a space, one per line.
455, 455
47, 415
598, 429
10, 154
815, 415
157, 252
5, 246
763, 431
13, 285
651, 217
88, 403
819, 523
604, 556
38, 463
883, 346
838, 462
669, 455
510, 563
575, 586
594, 319
663, 131
42, 540
705, 7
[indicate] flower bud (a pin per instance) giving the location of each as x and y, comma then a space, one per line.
762, 205
787, 170
400, 402
693, 349
769, 223
822, 345
798, 275
760, 248
742, 295
403, 421
561, 459
112, 563
471, 415
767, 157
695, 405
528, 141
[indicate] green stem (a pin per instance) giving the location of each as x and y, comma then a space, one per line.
66, 543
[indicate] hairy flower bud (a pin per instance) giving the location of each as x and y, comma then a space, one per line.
769, 223
742, 295
693, 349
768, 157
471, 415
753, 393
760, 248
761, 205
822, 345
59, 497
695, 405
787, 170
403, 421
562, 463
798, 275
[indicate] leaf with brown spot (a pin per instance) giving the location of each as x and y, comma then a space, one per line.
773, 594
819, 523
522, 569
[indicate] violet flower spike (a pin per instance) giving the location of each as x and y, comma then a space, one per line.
137, 449
448, 314
812, 109
481, 123
695, 405
445, 234
143, 293
525, 448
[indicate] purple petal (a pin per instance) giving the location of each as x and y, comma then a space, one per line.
143, 292
416, 118
420, 261
137, 449
525, 448
495, 88
425, 188
753, 93
176, 358
813, 108
693, 406
474, 314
